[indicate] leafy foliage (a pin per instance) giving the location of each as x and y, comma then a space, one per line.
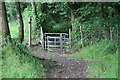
11, 12
94, 26
55, 17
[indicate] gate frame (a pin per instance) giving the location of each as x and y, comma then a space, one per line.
43, 38
60, 35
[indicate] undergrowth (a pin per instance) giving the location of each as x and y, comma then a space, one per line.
104, 57
18, 64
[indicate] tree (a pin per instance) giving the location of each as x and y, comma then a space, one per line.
35, 14
20, 22
34, 8
72, 13
5, 26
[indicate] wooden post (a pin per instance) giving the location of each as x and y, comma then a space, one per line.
64, 43
29, 27
42, 40
70, 38
81, 36
45, 41
48, 43
55, 44
61, 45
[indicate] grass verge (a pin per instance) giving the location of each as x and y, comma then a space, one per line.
105, 57
18, 64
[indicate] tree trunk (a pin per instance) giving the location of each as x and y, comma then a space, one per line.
71, 6
20, 22
72, 19
104, 9
34, 8
35, 13
0, 25
5, 27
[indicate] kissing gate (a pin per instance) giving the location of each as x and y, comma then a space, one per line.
59, 42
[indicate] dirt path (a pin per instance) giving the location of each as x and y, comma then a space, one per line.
61, 66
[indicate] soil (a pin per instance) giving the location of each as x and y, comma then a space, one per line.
60, 66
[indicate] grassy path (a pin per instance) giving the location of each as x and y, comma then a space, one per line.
61, 66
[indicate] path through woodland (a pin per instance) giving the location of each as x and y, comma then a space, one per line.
60, 66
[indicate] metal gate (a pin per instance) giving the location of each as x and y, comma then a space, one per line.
56, 41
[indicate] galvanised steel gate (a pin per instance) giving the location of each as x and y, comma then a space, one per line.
55, 41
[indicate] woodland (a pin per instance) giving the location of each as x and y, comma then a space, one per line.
94, 36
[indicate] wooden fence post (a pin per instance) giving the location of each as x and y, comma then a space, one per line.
42, 38
81, 36
29, 28
70, 38
61, 44
55, 43
45, 41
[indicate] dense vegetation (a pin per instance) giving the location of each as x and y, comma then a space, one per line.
18, 63
99, 18
95, 35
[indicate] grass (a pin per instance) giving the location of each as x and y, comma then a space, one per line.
105, 57
14, 30
18, 64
